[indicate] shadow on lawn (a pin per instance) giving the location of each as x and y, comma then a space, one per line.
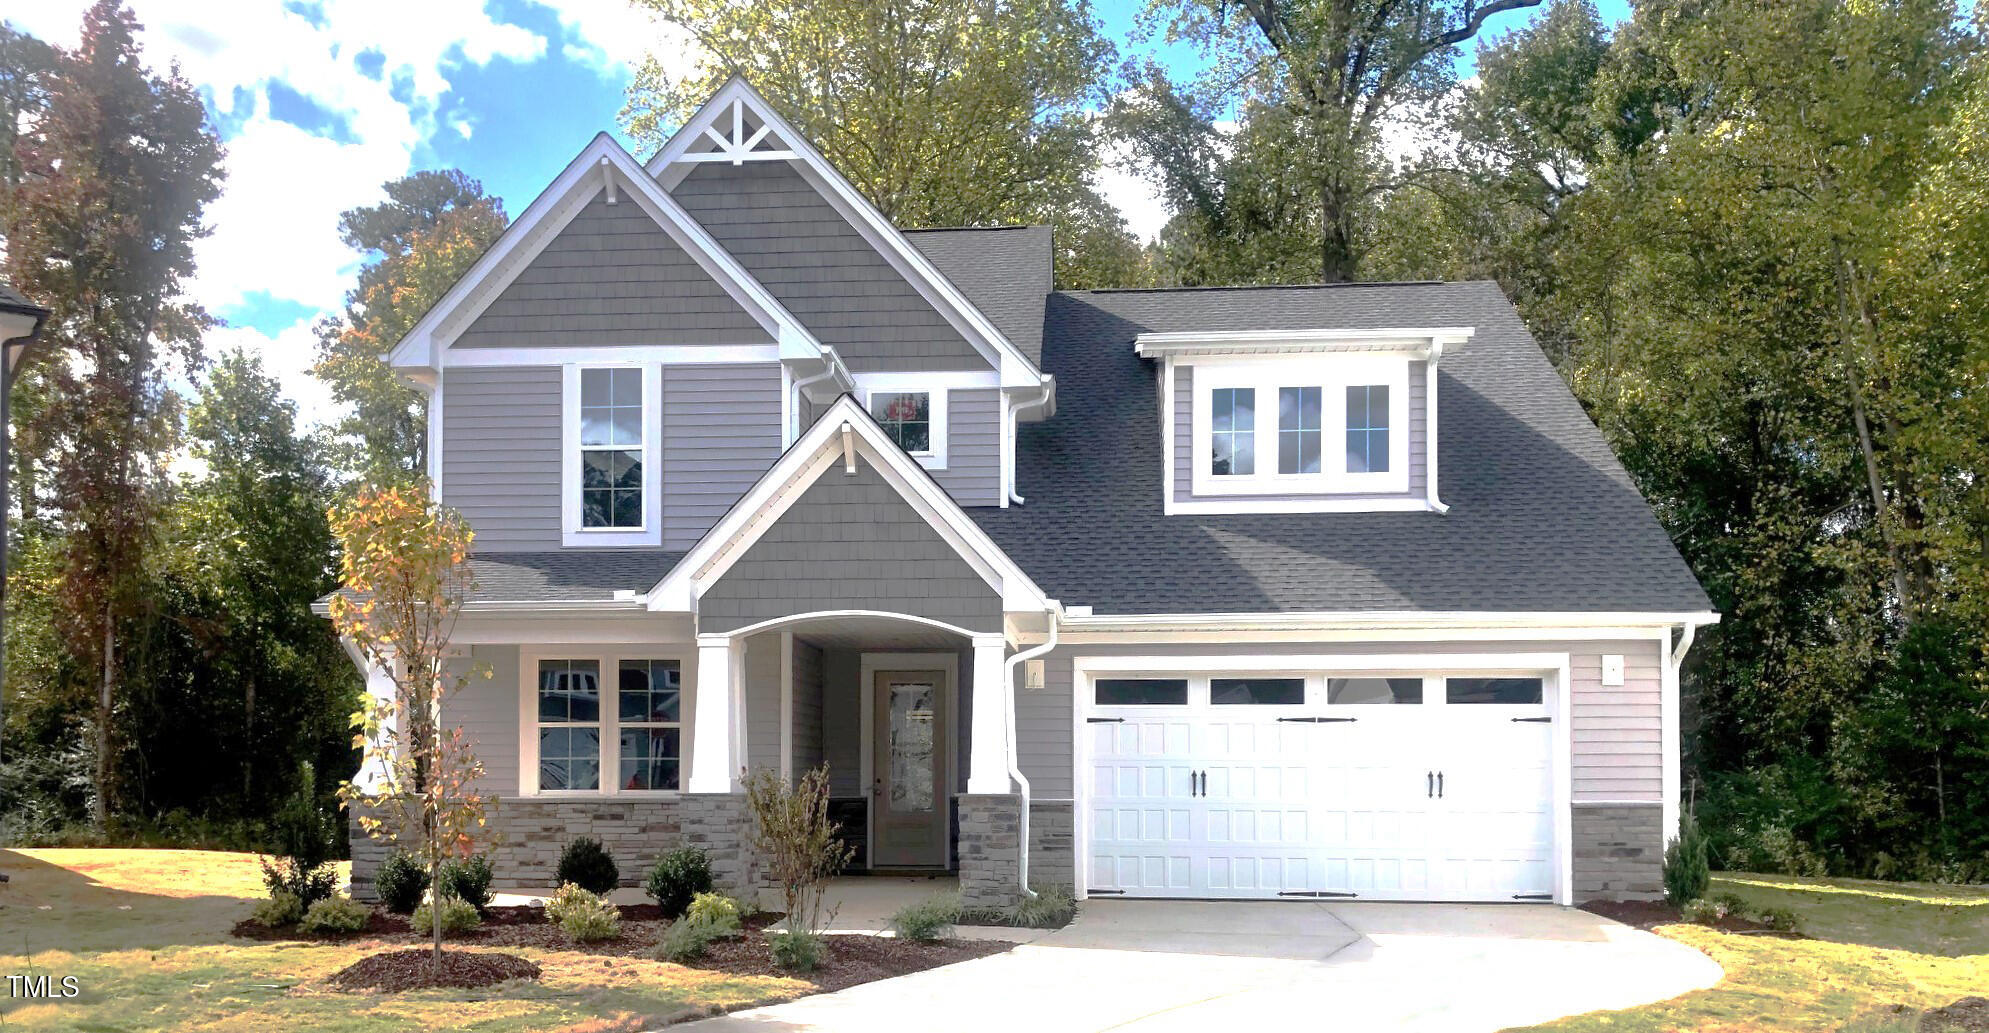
1949, 921
47, 907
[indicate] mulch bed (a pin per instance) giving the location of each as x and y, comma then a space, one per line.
395, 971
846, 960
1968, 1015
515, 926
1649, 914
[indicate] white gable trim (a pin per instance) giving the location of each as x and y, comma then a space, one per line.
1417, 342
821, 449
737, 96
550, 213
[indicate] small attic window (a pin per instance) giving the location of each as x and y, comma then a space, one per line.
912, 410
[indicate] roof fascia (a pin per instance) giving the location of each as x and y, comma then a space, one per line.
1422, 340
1016, 369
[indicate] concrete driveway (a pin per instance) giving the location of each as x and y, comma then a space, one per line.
1158, 966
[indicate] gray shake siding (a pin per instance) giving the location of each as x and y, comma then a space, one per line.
721, 431
851, 542
807, 744
1617, 754
973, 448
1183, 446
500, 454
797, 245
611, 276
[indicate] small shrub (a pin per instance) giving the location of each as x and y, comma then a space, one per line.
1701, 912
800, 847
927, 920
457, 917
1729, 905
715, 910
468, 881
1687, 869
336, 914
685, 940
677, 877
1052, 907
308, 883
582, 915
586, 863
797, 951
401, 883
281, 909
1780, 919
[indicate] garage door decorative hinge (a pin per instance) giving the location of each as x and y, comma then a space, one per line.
1533, 720
1105, 893
1533, 896
1105, 720
1320, 720
1314, 893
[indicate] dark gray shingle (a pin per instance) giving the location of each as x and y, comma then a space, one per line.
571, 575
1004, 271
1542, 516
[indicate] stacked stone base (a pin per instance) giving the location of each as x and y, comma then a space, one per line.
990, 849
1619, 851
524, 838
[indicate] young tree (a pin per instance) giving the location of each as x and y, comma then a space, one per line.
405, 570
115, 171
1315, 81
433, 226
948, 113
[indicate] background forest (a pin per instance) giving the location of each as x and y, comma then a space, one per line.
1753, 235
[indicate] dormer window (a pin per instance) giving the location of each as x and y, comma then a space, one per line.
1264, 424
1367, 428
1233, 432
1300, 427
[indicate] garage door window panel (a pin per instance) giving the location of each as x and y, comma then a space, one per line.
1141, 692
1494, 691
1341, 692
1257, 692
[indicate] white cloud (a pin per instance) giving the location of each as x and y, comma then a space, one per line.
1134, 195
613, 36
287, 355
275, 226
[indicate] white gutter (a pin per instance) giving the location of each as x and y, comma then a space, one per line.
1684, 643
832, 364
1391, 619
1043, 397
1014, 755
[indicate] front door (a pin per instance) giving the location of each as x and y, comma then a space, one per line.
908, 795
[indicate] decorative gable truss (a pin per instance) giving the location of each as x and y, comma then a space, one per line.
737, 126
843, 437
601, 168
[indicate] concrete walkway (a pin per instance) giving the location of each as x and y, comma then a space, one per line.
1164, 966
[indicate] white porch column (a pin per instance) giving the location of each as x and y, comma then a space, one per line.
380, 687
994, 701
714, 717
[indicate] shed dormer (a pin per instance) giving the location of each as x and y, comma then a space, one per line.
1300, 421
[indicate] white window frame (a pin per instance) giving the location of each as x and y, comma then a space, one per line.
572, 531
529, 705
610, 660
1332, 374
935, 386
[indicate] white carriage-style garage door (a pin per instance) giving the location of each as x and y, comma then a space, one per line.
1308, 785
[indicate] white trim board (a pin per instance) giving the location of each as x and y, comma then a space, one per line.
1418, 340
738, 96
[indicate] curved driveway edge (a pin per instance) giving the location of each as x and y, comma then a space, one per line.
1155, 966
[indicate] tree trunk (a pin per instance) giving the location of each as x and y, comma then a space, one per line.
1874, 480
100, 804
248, 742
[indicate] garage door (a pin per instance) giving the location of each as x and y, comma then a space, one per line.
1307, 785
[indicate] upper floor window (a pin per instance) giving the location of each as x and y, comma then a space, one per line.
611, 448
906, 417
1367, 428
612, 455
1291, 426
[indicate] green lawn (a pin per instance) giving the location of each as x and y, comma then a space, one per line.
146, 934
1880, 953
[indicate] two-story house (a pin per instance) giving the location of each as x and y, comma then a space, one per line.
1230, 593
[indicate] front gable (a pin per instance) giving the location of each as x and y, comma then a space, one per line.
612, 276
850, 542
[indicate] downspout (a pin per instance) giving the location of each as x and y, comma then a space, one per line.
1430, 418
1015, 455
1014, 758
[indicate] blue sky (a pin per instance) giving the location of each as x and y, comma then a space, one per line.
321, 101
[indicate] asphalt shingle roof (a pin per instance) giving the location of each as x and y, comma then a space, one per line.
570, 575
1004, 271
1542, 516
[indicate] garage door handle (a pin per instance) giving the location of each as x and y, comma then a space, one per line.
1439, 785
1105, 720
1429, 784
1320, 720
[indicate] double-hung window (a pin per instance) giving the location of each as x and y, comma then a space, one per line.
609, 471
603, 722
1299, 423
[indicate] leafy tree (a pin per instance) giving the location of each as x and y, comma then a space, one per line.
431, 228
1315, 83
115, 170
405, 568
942, 112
